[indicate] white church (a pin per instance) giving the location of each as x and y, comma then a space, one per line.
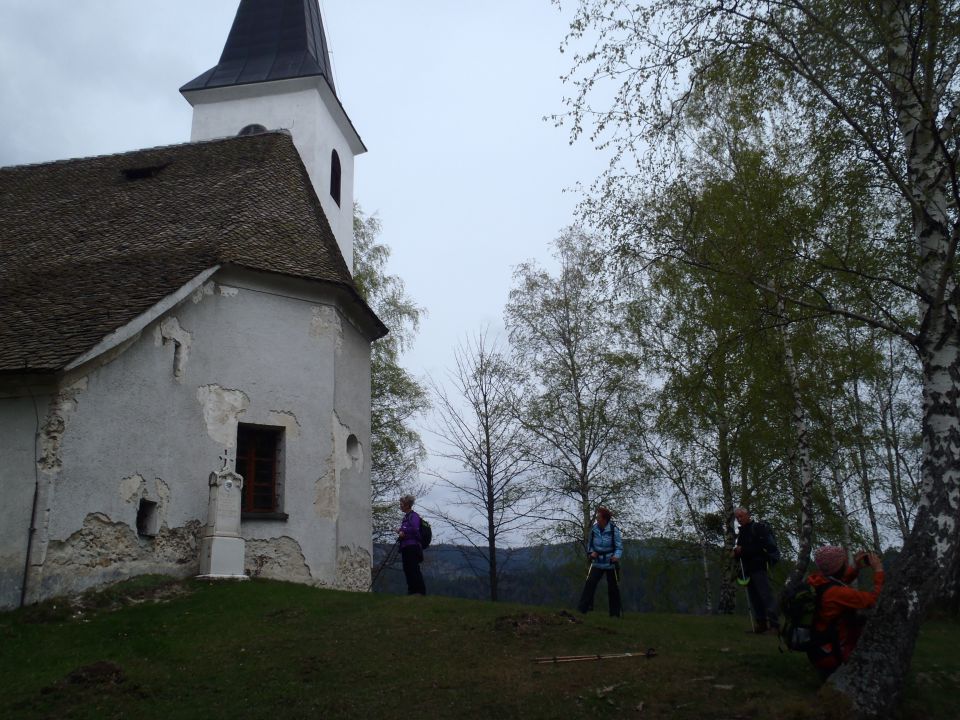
174, 319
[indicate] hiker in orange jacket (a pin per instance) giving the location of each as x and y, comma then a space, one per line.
837, 624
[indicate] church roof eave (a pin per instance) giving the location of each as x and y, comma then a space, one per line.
330, 98
101, 241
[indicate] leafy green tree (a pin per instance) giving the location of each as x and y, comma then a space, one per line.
578, 384
711, 342
710, 329
396, 396
868, 86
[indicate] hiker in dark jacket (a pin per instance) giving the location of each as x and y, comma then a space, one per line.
837, 624
753, 549
410, 549
605, 548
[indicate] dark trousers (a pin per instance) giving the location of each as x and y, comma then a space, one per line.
761, 600
613, 591
412, 557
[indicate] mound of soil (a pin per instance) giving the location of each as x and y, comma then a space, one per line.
532, 623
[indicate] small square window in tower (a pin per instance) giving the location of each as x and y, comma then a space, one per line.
260, 462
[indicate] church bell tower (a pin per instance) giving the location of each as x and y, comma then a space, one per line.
274, 73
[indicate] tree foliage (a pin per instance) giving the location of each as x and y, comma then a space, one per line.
578, 383
863, 96
396, 396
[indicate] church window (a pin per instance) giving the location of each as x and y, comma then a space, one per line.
335, 177
260, 462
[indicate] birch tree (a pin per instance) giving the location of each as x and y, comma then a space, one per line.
872, 85
688, 485
578, 384
716, 365
478, 427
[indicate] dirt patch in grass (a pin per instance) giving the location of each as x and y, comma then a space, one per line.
87, 684
533, 623
101, 672
290, 614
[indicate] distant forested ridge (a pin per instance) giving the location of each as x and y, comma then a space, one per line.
657, 575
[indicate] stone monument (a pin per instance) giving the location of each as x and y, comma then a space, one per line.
222, 547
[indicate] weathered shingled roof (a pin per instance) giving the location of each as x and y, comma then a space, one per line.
88, 245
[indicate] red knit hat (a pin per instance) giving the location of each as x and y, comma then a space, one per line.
830, 559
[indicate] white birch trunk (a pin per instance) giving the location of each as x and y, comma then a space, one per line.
727, 602
803, 460
835, 469
885, 413
874, 677
862, 467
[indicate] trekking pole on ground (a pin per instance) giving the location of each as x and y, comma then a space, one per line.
648, 653
743, 581
391, 554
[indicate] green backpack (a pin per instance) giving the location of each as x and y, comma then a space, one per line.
799, 607
426, 534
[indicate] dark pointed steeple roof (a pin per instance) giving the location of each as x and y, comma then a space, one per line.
270, 40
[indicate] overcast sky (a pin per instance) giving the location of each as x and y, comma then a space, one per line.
448, 95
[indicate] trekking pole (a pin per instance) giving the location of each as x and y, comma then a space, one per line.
648, 653
616, 575
391, 554
743, 583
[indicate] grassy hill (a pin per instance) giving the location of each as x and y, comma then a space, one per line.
153, 648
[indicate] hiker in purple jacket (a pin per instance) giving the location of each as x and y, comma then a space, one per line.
410, 549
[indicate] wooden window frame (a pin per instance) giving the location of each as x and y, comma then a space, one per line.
260, 443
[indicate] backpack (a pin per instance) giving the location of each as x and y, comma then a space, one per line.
799, 606
770, 548
426, 534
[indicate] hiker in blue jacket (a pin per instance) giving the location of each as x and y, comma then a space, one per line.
605, 548
411, 551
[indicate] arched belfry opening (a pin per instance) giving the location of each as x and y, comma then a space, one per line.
253, 129
335, 177
275, 72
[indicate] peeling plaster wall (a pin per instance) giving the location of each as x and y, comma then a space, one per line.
353, 569
222, 408
171, 332
103, 550
154, 421
352, 415
54, 425
18, 474
278, 558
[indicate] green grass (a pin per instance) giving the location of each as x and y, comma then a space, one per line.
265, 649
